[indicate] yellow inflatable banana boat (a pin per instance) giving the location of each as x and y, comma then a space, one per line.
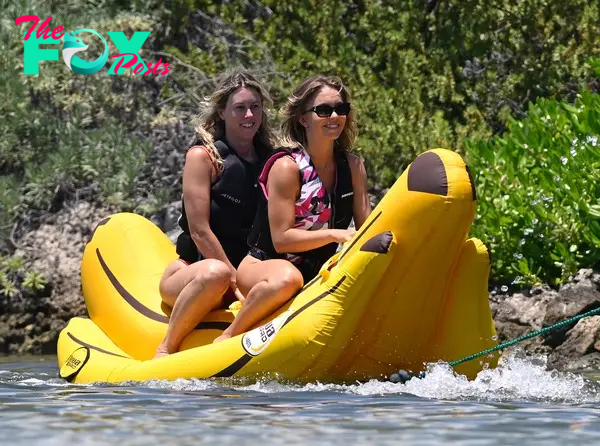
408, 289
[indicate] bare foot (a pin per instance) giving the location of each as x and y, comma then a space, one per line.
161, 351
221, 338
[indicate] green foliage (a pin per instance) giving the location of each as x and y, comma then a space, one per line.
12, 265
429, 73
9, 205
539, 208
62, 133
34, 281
422, 74
14, 277
7, 286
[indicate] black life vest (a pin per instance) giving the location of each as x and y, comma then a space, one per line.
342, 213
233, 203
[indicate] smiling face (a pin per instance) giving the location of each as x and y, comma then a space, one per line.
329, 128
242, 114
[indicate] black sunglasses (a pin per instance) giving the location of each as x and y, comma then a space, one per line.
326, 110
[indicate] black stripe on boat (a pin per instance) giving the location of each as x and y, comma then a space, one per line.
315, 300
473, 189
93, 347
233, 368
100, 223
358, 236
245, 359
142, 309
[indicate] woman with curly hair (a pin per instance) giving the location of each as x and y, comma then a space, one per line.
218, 205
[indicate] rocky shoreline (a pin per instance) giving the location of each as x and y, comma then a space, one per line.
573, 346
30, 322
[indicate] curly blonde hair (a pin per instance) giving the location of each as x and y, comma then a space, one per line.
209, 125
293, 133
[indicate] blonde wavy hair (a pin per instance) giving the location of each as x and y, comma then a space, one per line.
209, 125
293, 133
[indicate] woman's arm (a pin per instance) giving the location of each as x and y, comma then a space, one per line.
362, 203
283, 186
198, 174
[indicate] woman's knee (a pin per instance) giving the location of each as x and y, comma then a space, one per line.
289, 279
210, 273
279, 276
214, 273
168, 286
246, 274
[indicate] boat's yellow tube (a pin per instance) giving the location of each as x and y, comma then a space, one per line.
407, 289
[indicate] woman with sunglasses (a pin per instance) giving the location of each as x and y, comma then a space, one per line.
311, 191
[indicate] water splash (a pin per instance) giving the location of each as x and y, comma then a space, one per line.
178, 384
517, 379
30, 379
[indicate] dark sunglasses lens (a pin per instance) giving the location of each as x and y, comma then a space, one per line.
342, 109
324, 111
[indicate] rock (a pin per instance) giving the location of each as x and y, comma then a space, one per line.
588, 362
519, 314
171, 214
174, 234
578, 296
580, 341
575, 297
167, 218
540, 289
33, 320
569, 346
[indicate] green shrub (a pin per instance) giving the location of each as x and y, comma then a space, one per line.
429, 73
13, 277
539, 185
61, 133
423, 74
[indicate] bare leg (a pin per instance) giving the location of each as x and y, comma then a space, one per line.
193, 291
271, 283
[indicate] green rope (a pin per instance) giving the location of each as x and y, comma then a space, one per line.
524, 337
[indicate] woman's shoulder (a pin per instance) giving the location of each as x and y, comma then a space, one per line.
283, 156
357, 165
198, 155
354, 160
284, 173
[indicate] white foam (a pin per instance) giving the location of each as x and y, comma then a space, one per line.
188, 385
516, 379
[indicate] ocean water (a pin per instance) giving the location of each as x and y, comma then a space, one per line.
518, 403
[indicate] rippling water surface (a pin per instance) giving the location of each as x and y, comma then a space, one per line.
518, 403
